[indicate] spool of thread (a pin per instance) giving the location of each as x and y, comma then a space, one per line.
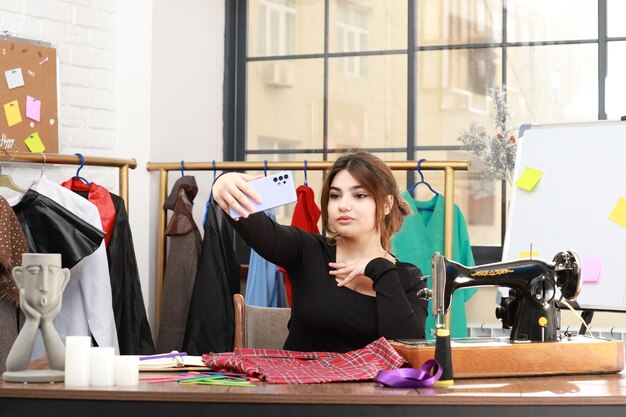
443, 354
77, 361
101, 372
126, 371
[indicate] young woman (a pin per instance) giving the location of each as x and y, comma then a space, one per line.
347, 289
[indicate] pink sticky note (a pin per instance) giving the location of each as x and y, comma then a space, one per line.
33, 108
592, 269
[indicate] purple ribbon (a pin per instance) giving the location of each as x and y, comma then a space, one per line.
410, 377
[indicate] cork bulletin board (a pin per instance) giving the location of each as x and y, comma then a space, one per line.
28, 96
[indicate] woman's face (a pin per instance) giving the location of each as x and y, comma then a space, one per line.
351, 208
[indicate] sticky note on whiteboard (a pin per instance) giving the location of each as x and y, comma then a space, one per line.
591, 269
618, 215
529, 179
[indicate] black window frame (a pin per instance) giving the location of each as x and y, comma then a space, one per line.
236, 59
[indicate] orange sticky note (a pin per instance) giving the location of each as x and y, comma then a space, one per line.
618, 215
529, 178
12, 112
529, 255
34, 143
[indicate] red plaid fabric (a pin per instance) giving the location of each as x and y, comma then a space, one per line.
287, 367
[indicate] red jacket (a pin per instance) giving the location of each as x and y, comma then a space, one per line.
101, 198
305, 216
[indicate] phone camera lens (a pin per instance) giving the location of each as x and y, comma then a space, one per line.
286, 176
275, 179
280, 178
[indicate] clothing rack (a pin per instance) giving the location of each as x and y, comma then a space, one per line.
52, 158
164, 167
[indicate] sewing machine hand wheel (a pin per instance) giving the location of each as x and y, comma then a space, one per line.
568, 274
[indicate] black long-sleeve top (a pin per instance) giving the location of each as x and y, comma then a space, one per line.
325, 317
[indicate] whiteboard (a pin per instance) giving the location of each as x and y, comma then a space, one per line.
584, 176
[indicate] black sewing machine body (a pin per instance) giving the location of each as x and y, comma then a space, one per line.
530, 310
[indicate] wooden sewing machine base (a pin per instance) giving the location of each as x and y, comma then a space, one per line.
498, 357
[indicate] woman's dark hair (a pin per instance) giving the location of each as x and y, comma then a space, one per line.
376, 177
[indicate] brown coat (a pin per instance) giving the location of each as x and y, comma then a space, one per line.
184, 245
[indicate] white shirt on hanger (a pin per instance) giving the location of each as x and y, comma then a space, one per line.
87, 304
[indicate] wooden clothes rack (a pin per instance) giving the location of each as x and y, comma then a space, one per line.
52, 158
164, 167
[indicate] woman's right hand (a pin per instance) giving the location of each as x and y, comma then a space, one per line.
232, 190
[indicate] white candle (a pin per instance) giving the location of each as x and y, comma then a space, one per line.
126, 371
101, 372
77, 361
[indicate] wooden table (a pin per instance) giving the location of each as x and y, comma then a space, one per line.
570, 396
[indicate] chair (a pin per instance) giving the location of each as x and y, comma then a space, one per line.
260, 327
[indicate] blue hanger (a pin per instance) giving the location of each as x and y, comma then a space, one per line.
421, 181
182, 168
306, 181
265, 167
82, 164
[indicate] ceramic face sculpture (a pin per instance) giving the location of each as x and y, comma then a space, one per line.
42, 279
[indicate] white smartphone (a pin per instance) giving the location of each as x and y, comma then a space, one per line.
275, 190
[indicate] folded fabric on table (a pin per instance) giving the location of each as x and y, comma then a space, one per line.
289, 367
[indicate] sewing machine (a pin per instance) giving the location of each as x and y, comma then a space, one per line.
530, 309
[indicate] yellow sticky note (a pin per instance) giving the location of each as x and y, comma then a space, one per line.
529, 178
12, 112
618, 215
527, 254
34, 143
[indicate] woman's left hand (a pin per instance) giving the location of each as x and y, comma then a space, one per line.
346, 271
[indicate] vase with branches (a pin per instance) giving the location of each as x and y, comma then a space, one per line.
496, 150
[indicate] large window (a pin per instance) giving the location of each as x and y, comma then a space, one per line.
402, 78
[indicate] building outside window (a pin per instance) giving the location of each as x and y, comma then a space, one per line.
276, 24
352, 35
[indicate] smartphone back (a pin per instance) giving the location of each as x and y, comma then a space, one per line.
275, 190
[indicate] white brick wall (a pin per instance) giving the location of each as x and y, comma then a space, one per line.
111, 78
12, 5
48, 10
84, 35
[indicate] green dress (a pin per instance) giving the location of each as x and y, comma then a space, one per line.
420, 237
